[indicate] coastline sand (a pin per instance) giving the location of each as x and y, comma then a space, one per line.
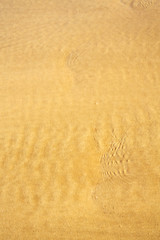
80, 120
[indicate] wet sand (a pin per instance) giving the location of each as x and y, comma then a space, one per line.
80, 120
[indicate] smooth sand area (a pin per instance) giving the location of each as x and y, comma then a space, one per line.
79, 120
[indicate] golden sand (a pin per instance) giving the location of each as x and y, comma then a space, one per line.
80, 120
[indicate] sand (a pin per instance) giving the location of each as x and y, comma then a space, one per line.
80, 120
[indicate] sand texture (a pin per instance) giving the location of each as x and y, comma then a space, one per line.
80, 120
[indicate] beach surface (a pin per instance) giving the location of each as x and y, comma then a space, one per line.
80, 120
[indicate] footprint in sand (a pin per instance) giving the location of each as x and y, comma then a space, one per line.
115, 161
139, 4
120, 182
